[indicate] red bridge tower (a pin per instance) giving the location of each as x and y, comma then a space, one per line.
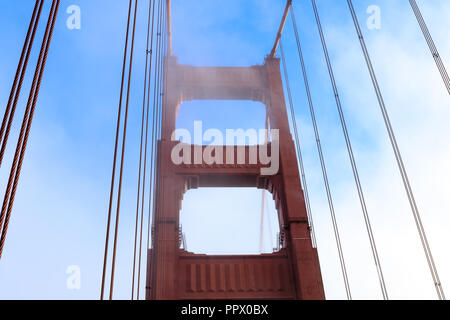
173, 273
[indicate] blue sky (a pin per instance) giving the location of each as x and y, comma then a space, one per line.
59, 216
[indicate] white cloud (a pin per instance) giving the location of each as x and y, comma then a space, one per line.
419, 109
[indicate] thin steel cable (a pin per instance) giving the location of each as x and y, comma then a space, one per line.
156, 96
269, 224
434, 51
352, 157
26, 124
161, 99
152, 159
149, 52
159, 212
22, 74
161, 103
261, 227
18, 79
138, 203
299, 151
154, 166
119, 194
263, 196
138, 200
113, 175
322, 161
398, 156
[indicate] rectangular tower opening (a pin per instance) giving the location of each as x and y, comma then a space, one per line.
229, 223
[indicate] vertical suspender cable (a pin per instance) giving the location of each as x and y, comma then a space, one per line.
409, 192
157, 103
152, 163
263, 198
161, 101
119, 113
261, 227
431, 45
299, 149
138, 200
322, 161
156, 98
18, 79
111, 289
269, 223
26, 124
351, 156
149, 52
154, 178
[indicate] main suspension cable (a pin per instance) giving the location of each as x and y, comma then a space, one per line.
119, 194
22, 142
322, 161
398, 156
431, 45
19, 77
119, 114
351, 156
21, 69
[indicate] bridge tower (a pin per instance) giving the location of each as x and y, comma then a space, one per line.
172, 272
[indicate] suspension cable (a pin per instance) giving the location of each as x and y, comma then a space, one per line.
263, 197
111, 195
299, 150
322, 161
269, 224
149, 52
404, 175
22, 142
161, 103
111, 289
159, 97
21, 69
153, 165
139, 200
261, 228
19, 77
155, 134
431, 45
351, 156
152, 149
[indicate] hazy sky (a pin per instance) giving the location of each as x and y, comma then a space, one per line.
59, 217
